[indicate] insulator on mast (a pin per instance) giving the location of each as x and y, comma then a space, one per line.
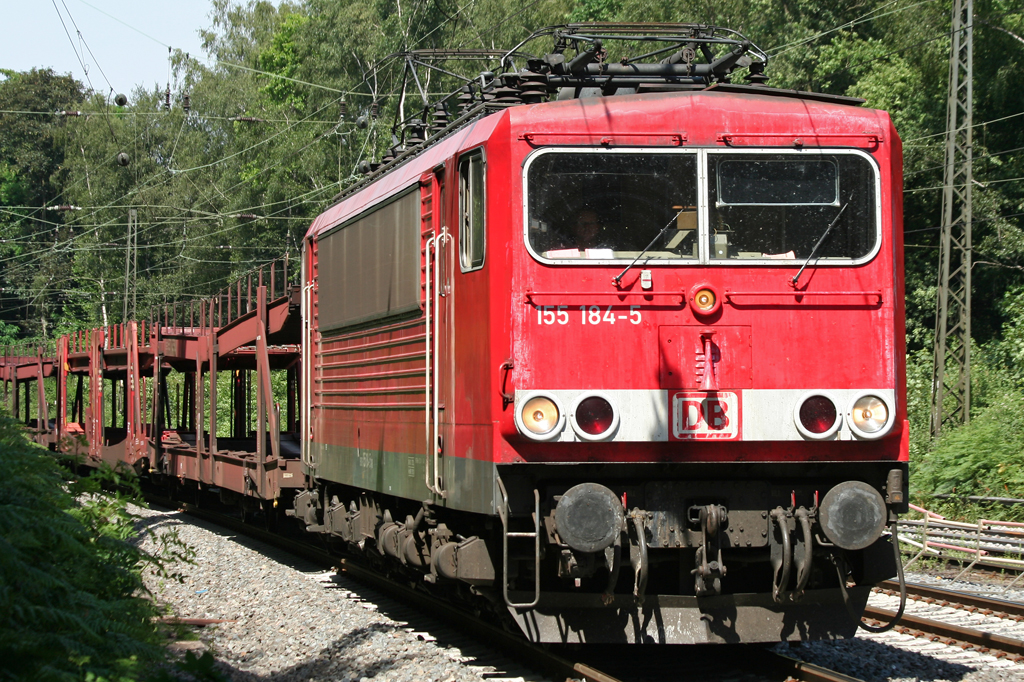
186, 103
167, 98
342, 108
375, 109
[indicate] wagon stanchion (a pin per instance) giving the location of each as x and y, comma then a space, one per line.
923, 545
977, 553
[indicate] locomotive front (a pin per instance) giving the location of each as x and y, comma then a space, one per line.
619, 348
706, 438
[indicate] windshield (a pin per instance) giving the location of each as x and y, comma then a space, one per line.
777, 206
606, 205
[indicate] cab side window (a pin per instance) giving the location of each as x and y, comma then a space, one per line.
471, 212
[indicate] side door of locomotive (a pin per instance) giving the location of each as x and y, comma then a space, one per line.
438, 249
454, 240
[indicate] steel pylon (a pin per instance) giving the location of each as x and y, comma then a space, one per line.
951, 377
131, 266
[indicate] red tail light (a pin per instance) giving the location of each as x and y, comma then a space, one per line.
595, 415
818, 415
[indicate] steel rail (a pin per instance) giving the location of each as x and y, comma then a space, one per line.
796, 669
957, 633
919, 591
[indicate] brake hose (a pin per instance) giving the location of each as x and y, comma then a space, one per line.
903, 588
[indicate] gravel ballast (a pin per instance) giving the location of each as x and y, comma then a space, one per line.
290, 621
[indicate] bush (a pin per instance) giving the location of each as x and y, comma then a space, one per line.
980, 458
72, 603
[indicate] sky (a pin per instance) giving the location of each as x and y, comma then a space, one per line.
31, 35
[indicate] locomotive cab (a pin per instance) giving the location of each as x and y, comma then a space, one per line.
708, 393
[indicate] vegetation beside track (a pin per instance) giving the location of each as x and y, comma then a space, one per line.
72, 602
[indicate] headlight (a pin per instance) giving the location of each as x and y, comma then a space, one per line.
594, 417
870, 416
540, 417
816, 416
704, 299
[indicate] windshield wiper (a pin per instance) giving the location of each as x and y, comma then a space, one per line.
661, 233
820, 240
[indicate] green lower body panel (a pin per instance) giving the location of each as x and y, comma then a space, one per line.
469, 484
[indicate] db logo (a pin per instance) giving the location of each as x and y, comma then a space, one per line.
705, 416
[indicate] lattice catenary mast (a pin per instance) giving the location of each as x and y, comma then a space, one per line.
131, 265
951, 377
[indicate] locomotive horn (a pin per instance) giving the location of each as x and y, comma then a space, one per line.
589, 517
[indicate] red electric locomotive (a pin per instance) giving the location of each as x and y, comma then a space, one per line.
607, 343
621, 346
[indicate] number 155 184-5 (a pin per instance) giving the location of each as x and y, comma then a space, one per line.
592, 315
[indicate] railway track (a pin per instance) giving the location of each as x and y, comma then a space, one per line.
748, 663
999, 631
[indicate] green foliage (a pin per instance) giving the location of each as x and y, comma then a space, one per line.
13, 191
8, 334
281, 58
595, 10
71, 593
981, 458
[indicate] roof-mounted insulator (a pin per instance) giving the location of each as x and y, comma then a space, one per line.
246, 119
392, 153
506, 95
366, 167
756, 75
69, 113
440, 120
533, 87
465, 99
414, 133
